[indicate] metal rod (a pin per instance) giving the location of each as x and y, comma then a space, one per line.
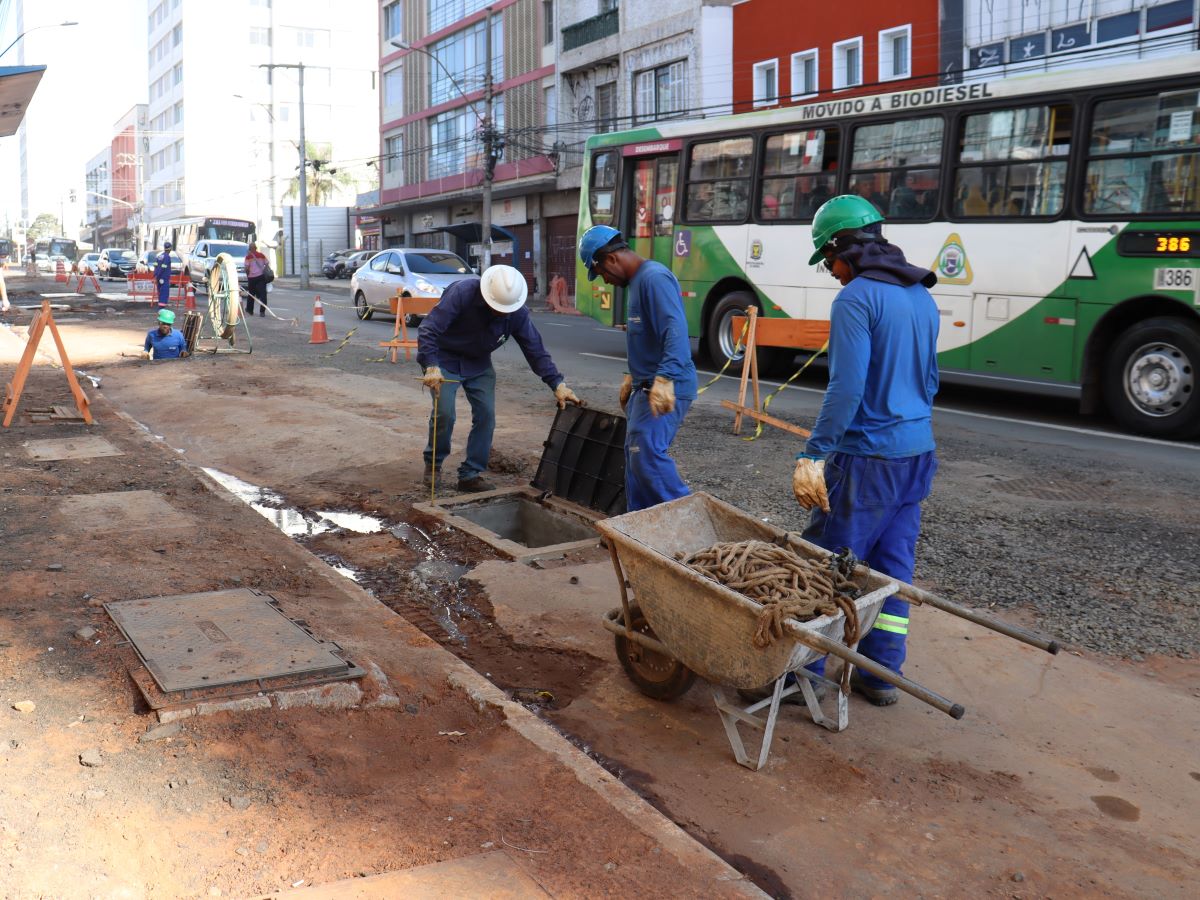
612, 551
643, 640
837, 648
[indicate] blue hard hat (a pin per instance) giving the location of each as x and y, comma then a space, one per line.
596, 238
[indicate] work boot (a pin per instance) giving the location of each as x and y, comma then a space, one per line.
476, 484
427, 478
875, 696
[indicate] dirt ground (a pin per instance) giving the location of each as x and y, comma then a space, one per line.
1049, 787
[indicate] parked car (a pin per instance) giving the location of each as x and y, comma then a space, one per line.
335, 264
420, 272
116, 263
356, 261
148, 260
90, 261
204, 256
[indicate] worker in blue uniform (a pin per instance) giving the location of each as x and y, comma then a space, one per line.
165, 341
870, 460
454, 347
661, 382
162, 275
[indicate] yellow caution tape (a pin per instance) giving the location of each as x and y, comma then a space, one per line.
342, 345
758, 429
736, 347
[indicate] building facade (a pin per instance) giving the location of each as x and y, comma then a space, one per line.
97, 181
128, 155
433, 63
223, 131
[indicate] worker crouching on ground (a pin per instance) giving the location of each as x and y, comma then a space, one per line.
870, 460
165, 341
661, 382
162, 275
454, 347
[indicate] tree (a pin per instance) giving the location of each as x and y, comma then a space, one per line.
323, 182
45, 225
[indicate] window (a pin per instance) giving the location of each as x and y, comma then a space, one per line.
766, 83
1168, 15
465, 54
609, 5
393, 87
179, 150
449, 134
896, 166
1013, 162
379, 263
719, 180
804, 74
393, 21
602, 187
547, 22
895, 53
177, 35
177, 74
847, 64
660, 93
606, 107
393, 150
178, 109
311, 37
1144, 157
260, 37
799, 173
551, 102
444, 13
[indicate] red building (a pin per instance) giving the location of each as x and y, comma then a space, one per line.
786, 52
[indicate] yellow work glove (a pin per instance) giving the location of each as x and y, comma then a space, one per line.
808, 483
145, 354
626, 390
565, 395
662, 396
433, 378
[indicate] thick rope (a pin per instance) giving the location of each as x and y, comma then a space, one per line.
786, 585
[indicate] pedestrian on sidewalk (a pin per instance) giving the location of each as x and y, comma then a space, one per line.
162, 275
661, 382
870, 460
256, 280
454, 348
165, 341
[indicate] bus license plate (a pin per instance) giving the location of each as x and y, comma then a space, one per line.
1178, 280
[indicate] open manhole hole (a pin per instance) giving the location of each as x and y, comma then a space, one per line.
222, 644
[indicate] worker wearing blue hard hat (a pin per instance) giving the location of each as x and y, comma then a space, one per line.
870, 460
661, 382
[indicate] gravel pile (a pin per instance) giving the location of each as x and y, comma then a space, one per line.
1105, 558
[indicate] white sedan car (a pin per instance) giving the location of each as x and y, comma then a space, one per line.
417, 271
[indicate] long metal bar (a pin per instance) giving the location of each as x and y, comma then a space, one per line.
643, 640
612, 550
837, 648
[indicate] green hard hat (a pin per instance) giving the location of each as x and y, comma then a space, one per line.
166, 316
838, 214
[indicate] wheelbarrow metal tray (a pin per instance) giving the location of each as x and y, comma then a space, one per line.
705, 625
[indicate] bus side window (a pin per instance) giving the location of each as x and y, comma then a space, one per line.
602, 188
895, 166
798, 174
718, 187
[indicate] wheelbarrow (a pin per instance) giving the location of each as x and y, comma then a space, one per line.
679, 624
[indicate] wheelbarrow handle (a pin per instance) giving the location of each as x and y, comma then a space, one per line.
818, 641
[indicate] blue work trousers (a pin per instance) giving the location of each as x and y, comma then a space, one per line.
650, 475
481, 394
164, 291
875, 510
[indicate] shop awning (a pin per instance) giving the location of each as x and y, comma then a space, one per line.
17, 84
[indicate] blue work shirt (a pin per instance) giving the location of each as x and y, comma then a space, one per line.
462, 332
165, 346
883, 372
656, 339
162, 266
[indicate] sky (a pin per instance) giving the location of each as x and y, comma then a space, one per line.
96, 71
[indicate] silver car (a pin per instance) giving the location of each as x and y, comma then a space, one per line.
204, 256
417, 271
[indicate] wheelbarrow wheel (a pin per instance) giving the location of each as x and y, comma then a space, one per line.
657, 676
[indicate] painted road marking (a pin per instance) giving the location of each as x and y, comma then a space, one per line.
1073, 429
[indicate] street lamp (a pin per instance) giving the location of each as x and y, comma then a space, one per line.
35, 28
491, 143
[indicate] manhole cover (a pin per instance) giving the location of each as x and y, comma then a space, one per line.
119, 511
194, 641
71, 448
1039, 489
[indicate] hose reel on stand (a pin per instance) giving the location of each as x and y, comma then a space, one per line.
225, 304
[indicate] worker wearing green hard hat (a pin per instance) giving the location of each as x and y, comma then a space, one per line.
870, 460
165, 341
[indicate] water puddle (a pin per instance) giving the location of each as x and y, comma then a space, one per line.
291, 521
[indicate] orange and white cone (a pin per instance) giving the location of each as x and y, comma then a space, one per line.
190, 303
319, 334
60, 272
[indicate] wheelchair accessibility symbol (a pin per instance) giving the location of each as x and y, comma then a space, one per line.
683, 243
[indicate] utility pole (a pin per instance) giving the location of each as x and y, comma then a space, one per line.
489, 156
299, 67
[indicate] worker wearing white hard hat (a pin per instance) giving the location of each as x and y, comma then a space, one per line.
474, 318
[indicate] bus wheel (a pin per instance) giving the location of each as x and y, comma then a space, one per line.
362, 307
721, 341
1151, 378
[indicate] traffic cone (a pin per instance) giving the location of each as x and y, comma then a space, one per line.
190, 303
319, 334
60, 272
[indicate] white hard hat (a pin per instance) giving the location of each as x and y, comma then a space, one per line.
504, 289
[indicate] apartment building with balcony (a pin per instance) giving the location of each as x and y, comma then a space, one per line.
433, 68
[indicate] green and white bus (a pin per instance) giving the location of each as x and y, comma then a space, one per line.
1061, 213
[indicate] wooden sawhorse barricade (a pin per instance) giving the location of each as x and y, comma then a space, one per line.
12, 391
404, 306
791, 334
